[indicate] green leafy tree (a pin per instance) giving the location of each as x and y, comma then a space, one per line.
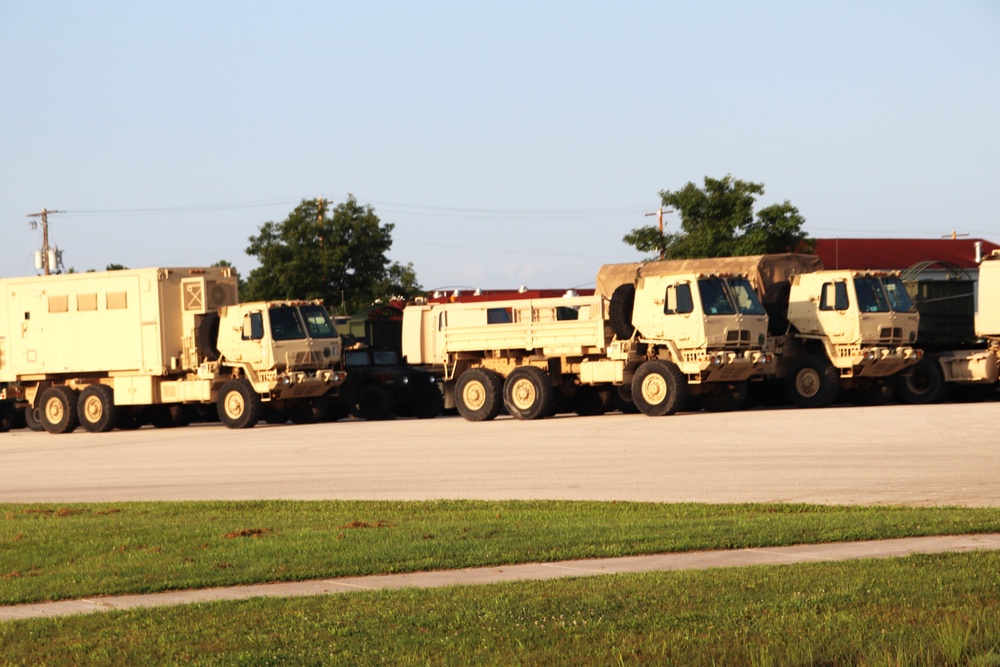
115, 267
719, 221
336, 254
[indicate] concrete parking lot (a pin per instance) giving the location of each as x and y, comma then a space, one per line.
917, 455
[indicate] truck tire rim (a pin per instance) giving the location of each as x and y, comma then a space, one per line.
234, 405
654, 389
523, 394
807, 382
54, 411
93, 410
474, 395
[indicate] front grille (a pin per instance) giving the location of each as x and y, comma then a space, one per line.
738, 337
890, 334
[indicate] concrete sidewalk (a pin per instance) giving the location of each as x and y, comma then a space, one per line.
693, 560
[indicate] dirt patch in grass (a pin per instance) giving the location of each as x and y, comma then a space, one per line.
247, 532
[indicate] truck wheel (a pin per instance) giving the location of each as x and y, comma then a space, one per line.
59, 409
621, 400
590, 401
923, 383
6, 416
479, 394
96, 408
428, 404
723, 396
659, 388
812, 383
527, 393
374, 404
874, 391
239, 404
620, 311
311, 410
206, 336
33, 419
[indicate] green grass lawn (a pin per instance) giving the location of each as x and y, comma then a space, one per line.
50, 552
921, 610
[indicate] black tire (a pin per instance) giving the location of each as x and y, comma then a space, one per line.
428, 403
374, 404
130, 419
276, 415
206, 336
723, 396
58, 409
590, 401
6, 416
527, 393
812, 382
620, 311
659, 388
479, 394
874, 391
239, 405
775, 302
923, 383
33, 419
311, 410
621, 400
96, 409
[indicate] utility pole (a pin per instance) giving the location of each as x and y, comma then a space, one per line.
44, 215
659, 217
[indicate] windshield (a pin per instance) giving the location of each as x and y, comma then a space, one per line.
899, 298
285, 324
746, 298
714, 297
871, 295
318, 322
385, 357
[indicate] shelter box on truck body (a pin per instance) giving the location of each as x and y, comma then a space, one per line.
120, 348
131, 322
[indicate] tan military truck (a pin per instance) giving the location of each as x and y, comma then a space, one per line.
686, 334
122, 347
829, 330
960, 332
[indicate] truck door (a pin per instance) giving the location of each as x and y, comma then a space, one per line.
837, 319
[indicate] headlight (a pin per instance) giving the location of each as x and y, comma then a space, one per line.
869, 355
406, 379
285, 381
716, 360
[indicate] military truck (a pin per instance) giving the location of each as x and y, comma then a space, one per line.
828, 331
677, 335
960, 334
381, 386
116, 349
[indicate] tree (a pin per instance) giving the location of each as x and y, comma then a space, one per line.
719, 221
337, 255
115, 267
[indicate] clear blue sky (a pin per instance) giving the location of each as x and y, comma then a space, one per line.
510, 143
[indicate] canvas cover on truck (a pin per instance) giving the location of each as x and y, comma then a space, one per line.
762, 270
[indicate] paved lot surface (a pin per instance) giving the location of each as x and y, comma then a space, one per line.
917, 455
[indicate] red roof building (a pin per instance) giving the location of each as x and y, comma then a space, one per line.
901, 254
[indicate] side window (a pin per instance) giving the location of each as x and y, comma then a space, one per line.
498, 316
253, 326
678, 300
834, 296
